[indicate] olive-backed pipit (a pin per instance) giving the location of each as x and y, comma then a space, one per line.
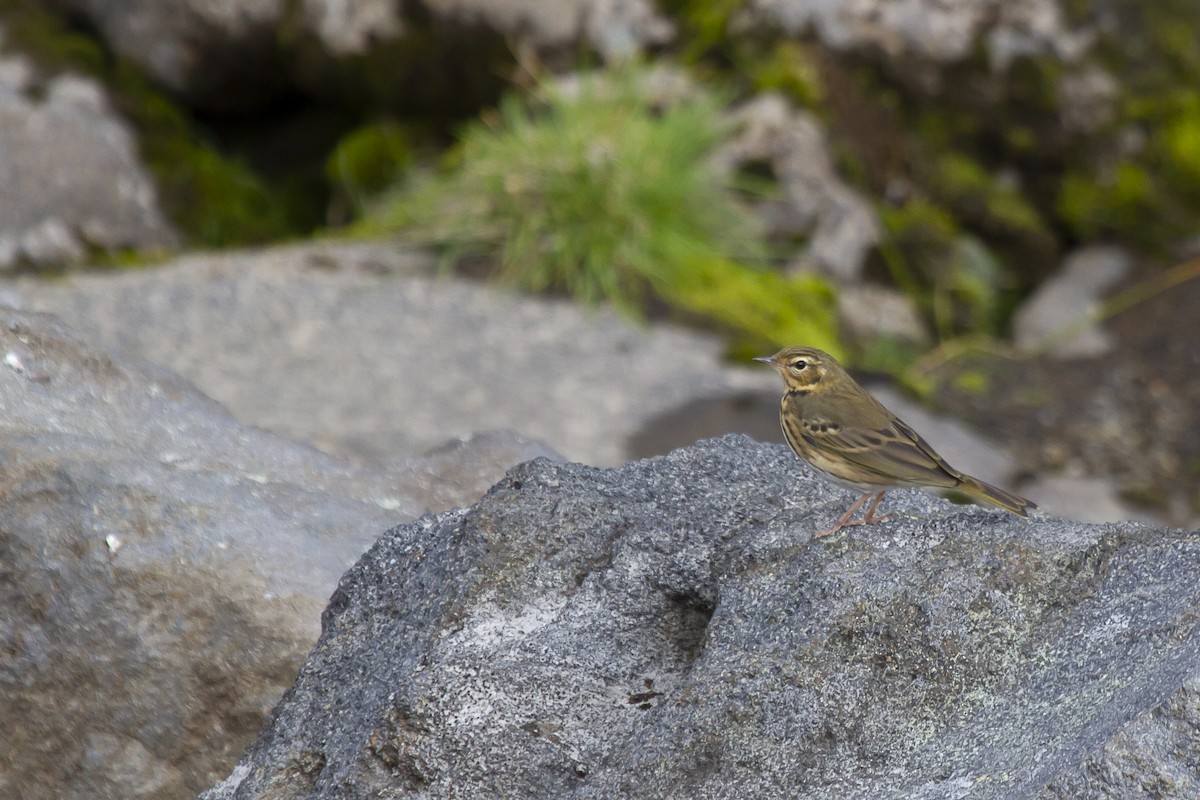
848, 436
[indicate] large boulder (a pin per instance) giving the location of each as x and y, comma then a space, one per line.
72, 177
163, 567
672, 629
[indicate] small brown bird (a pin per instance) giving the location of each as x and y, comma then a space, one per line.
849, 437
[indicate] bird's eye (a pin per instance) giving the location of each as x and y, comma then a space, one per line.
799, 364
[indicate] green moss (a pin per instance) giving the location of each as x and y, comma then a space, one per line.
44, 38
366, 162
975, 382
1145, 496
370, 158
1152, 196
966, 184
704, 24
916, 233
1178, 145
791, 69
1094, 207
954, 277
760, 308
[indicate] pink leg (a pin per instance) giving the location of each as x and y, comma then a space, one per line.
869, 518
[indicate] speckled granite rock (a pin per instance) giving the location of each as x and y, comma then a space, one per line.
670, 629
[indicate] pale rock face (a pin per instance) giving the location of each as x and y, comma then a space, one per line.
840, 225
928, 29
1058, 315
72, 173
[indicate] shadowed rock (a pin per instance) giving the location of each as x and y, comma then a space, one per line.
670, 629
163, 568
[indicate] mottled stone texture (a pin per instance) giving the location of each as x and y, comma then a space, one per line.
163, 567
670, 629
71, 172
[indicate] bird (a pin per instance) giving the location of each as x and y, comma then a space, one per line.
852, 439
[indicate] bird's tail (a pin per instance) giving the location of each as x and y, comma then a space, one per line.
985, 492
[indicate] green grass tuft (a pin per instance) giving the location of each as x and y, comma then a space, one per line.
603, 192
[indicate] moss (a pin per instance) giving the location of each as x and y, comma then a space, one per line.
1121, 202
370, 158
791, 69
760, 308
214, 200
973, 382
954, 277
705, 25
916, 233
1142, 182
366, 162
967, 185
44, 38
1145, 496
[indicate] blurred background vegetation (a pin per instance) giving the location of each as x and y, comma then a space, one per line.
592, 180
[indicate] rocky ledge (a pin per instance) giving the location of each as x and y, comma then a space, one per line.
671, 629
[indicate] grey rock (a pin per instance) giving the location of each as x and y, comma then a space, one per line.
71, 173
1057, 317
194, 48
1082, 498
868, 311
670, 629
232, 54
929, 29
616, 28
335, 344
350, 28
1157, 755
163, 568
1087, 99
839, 223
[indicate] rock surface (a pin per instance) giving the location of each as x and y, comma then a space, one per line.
929, 29
671, 629
815, 202
1059, 316
345, 345
163, 568
229, 55
71, 173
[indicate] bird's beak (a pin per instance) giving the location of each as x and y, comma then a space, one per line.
765, 360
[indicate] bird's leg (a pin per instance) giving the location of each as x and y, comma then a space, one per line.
845, 518
869, 518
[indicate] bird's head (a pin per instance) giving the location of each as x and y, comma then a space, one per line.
805, 368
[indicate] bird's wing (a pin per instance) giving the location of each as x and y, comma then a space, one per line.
893, 451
